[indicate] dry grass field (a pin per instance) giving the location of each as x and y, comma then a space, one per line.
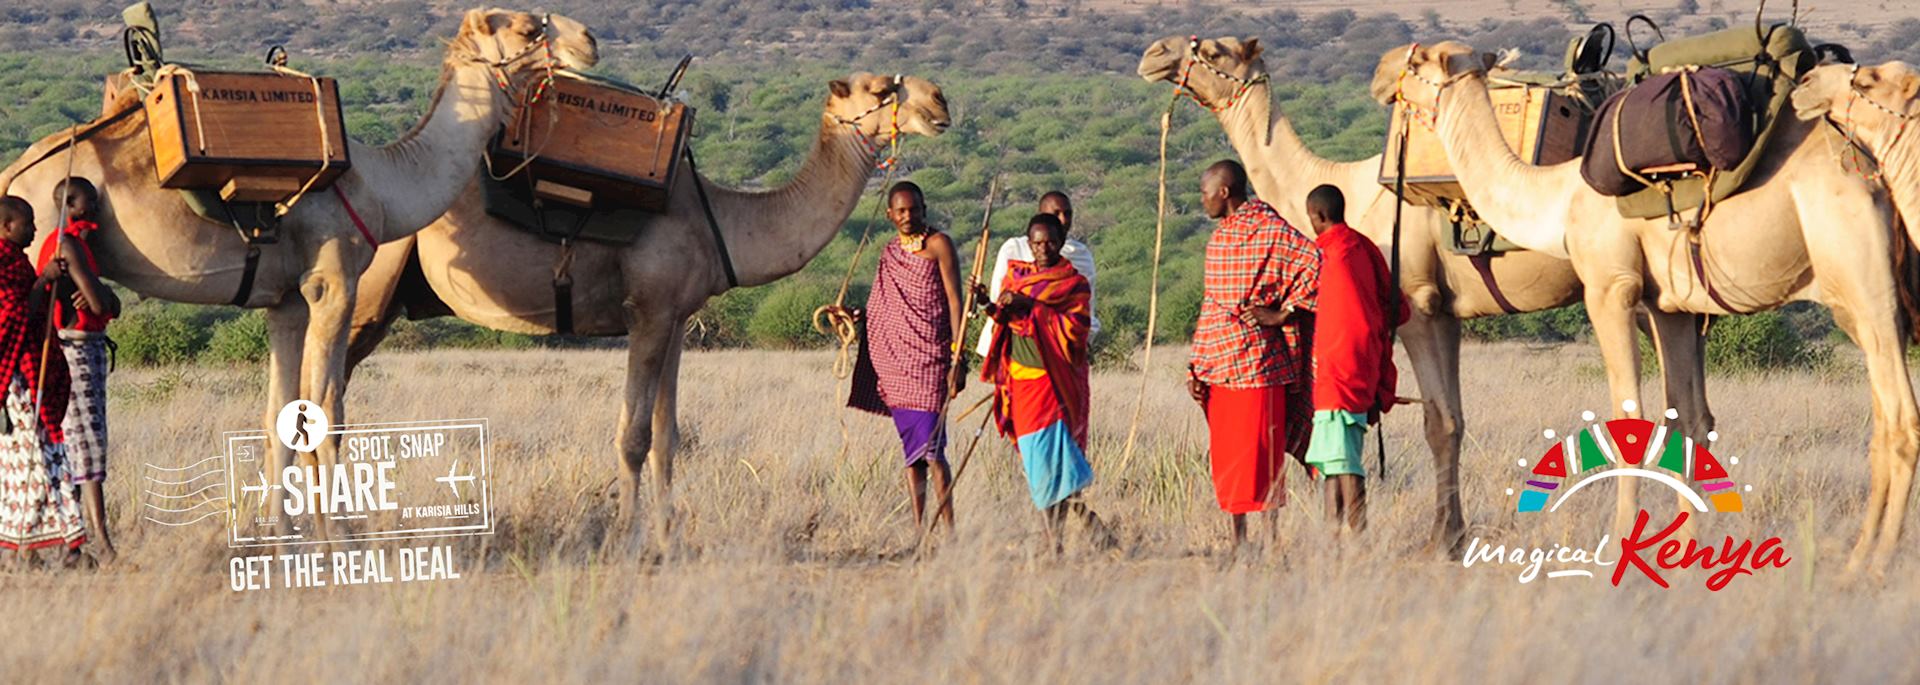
793, 561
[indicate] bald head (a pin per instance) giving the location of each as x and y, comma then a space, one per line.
1326, 206
16, 220
1058, 205
1223, 188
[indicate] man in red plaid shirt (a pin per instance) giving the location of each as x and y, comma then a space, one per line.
1252, 342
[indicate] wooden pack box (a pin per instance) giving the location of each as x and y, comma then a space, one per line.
596, 143
257, 137
1541, 125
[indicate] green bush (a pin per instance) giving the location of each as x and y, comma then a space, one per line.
243, 339
154, 333
1758, 342
785, 318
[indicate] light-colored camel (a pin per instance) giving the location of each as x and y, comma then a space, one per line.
151, 242
1803, 229
1441, 286
492, 274
1879, 107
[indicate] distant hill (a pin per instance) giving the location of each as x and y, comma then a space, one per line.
988, 36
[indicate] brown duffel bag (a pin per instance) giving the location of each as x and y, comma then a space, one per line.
1687, 121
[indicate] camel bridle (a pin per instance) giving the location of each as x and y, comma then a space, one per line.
1184, 86
891, 102
506, 68
1847, 128
1427, 115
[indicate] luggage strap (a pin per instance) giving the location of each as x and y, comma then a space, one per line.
706, 207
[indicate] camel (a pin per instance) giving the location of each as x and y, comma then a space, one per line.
1803, 229
151, 242
1441, 287
476, 267
1875, 107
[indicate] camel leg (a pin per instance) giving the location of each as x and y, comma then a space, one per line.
1683, 363
1433, 346
666, 424
286, 330
328, 290
648, 341
1611, 309
1895, 443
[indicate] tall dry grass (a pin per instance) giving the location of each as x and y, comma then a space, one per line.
793, 563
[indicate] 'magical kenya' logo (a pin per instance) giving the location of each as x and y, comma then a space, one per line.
1634, 448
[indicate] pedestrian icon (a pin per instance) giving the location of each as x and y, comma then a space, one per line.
301, 426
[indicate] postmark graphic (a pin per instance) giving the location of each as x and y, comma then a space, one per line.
390, 481
301, 426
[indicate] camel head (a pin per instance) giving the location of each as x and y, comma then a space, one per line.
1417, 73
1217, 70
518, 45
1872, 104
864, 102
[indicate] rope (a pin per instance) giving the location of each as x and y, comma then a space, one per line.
326, 141
1153, 290
835, 319
193, 92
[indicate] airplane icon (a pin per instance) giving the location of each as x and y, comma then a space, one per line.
452, 480
263, 488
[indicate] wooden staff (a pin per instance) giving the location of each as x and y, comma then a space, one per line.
959, 355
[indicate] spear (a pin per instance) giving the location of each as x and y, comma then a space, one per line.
959, 354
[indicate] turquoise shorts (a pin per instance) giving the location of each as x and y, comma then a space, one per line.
1339, 439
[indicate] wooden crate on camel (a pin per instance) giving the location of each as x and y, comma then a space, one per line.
594, 143
253, 137
1541, 123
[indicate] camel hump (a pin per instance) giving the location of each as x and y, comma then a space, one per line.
66, 138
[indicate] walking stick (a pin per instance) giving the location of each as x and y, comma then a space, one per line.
959, 355
1392, 296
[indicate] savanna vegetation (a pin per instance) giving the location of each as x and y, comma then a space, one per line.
1044, 97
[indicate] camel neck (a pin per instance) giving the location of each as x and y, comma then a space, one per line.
1900, 165
416, 178
1285, 169
773, 233
1527, 204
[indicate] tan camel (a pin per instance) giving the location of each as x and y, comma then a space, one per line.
152, 243
484, 271
1443, 287
1879, 107
1803, 229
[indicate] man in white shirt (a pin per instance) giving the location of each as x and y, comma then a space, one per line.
1075, 252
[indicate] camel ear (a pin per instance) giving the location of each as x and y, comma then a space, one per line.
1250, 49
840, 88
1908, 86
479, 22
880, 86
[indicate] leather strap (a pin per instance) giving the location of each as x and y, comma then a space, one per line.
1700, 271
252, 269
719, 240
1483, 265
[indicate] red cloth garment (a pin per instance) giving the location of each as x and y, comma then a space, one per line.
1353, 360
908, 345
1255, 259
1246, 436
1059, 323
24, 340
83, 320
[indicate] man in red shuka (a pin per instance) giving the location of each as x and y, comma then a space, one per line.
1353, 374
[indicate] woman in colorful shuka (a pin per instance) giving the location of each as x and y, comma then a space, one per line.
38, 508
1038, 365
1353, 374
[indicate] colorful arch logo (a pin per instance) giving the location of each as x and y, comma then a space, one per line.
1629, 448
